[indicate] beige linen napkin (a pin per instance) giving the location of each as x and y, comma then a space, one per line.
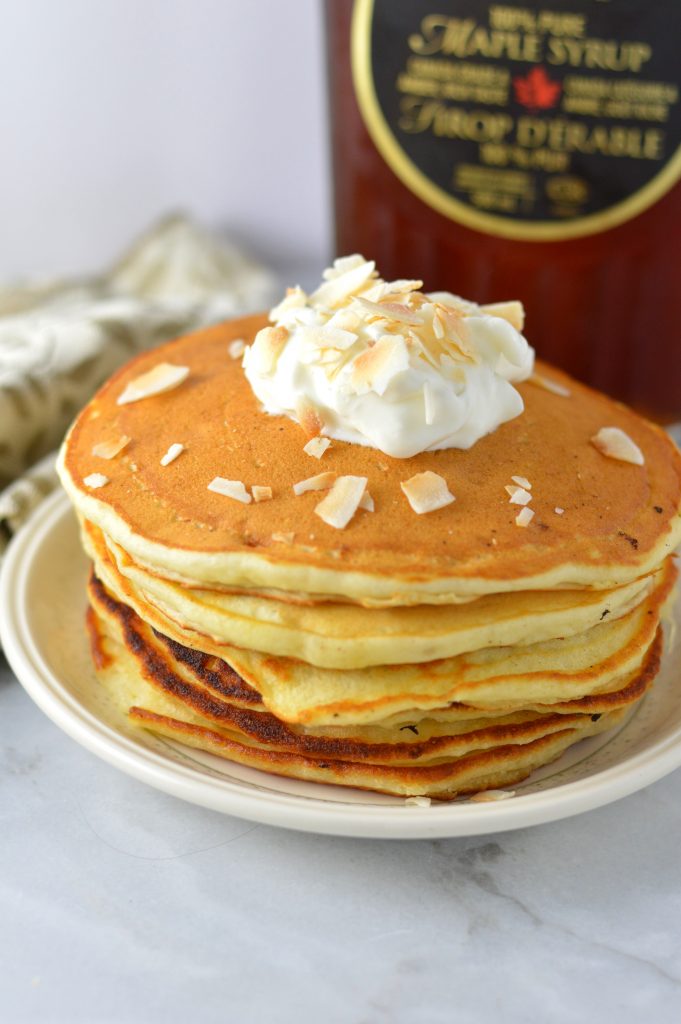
60, 340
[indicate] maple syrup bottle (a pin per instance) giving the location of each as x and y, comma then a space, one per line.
515, 151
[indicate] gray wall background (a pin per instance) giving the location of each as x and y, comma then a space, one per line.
113, 112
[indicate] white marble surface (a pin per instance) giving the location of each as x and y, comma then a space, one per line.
121, 904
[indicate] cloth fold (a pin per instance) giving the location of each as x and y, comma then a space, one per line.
21, 498
59, 340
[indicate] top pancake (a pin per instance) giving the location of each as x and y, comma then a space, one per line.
620, 520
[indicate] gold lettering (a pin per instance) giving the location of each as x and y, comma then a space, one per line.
496, 154
531, 132
549, 22
520, 35
605, 54
452, 122
653, 144
563, 136
562, 24
453, 37
442, 35
512, 18
639, 53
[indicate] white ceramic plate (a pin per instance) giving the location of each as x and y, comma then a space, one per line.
42, 604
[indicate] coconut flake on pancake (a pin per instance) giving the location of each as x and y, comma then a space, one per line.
95, 480
320, 482
427, 492
237, 348
522, 482
110, 449
174, 451
342, 501
316, 447
615, 444
230, 489
519, 496
261, 493
160, 378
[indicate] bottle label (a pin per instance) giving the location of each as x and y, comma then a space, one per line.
524, 121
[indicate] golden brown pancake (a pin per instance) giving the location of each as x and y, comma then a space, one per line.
177, 696
416, 655
345, 636
620, 520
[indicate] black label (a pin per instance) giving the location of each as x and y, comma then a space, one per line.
524, 121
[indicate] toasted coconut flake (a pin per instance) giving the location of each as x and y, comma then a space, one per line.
336, 290
418, 801
309, 418
522, 481
373, 290
172, 454
524, 517
342, 501
283, 538
489, 796
367, 502
402, 285
455, 324
342, 264
513, 312
163, 377
321, 482
295, 298
110, 449
316, 446
95, 480
374, 368
261, 493
266, 349
456, 302
426, 492
236, 348
438, 326
305, 316
230, 489
519, 496
336, 337
391, 311
614, 443
549, 385
345, 319
559, 511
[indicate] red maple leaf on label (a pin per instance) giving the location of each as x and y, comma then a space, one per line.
536, 91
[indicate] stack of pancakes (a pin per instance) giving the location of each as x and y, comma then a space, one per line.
429, 655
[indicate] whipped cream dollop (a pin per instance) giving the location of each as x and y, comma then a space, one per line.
385, 365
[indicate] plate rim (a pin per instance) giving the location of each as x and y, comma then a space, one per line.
271, 807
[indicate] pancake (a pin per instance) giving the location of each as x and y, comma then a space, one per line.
493, 679
431, 655
344, 636
620, 520
176, 698
561, 671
